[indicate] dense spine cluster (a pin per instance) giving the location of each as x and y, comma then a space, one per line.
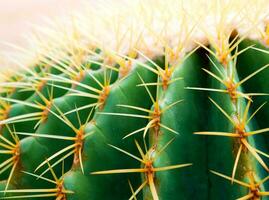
157, 120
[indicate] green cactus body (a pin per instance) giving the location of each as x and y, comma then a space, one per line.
148, 119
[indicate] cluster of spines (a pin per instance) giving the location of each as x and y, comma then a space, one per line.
45, 85
153, 127
244, 148
42, 102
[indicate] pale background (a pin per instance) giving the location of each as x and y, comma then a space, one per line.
17, 15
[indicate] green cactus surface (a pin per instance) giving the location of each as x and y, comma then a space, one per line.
85, 121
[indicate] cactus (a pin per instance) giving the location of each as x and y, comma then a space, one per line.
157, 107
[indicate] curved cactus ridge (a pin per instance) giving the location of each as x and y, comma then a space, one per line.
153, 115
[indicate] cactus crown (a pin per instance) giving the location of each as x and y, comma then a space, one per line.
140, 100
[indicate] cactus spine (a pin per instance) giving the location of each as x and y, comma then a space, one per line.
172, 110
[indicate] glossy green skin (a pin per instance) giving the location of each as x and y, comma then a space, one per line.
110, 130
196, 113
2, 187
221, 150
248, 62
186, 147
